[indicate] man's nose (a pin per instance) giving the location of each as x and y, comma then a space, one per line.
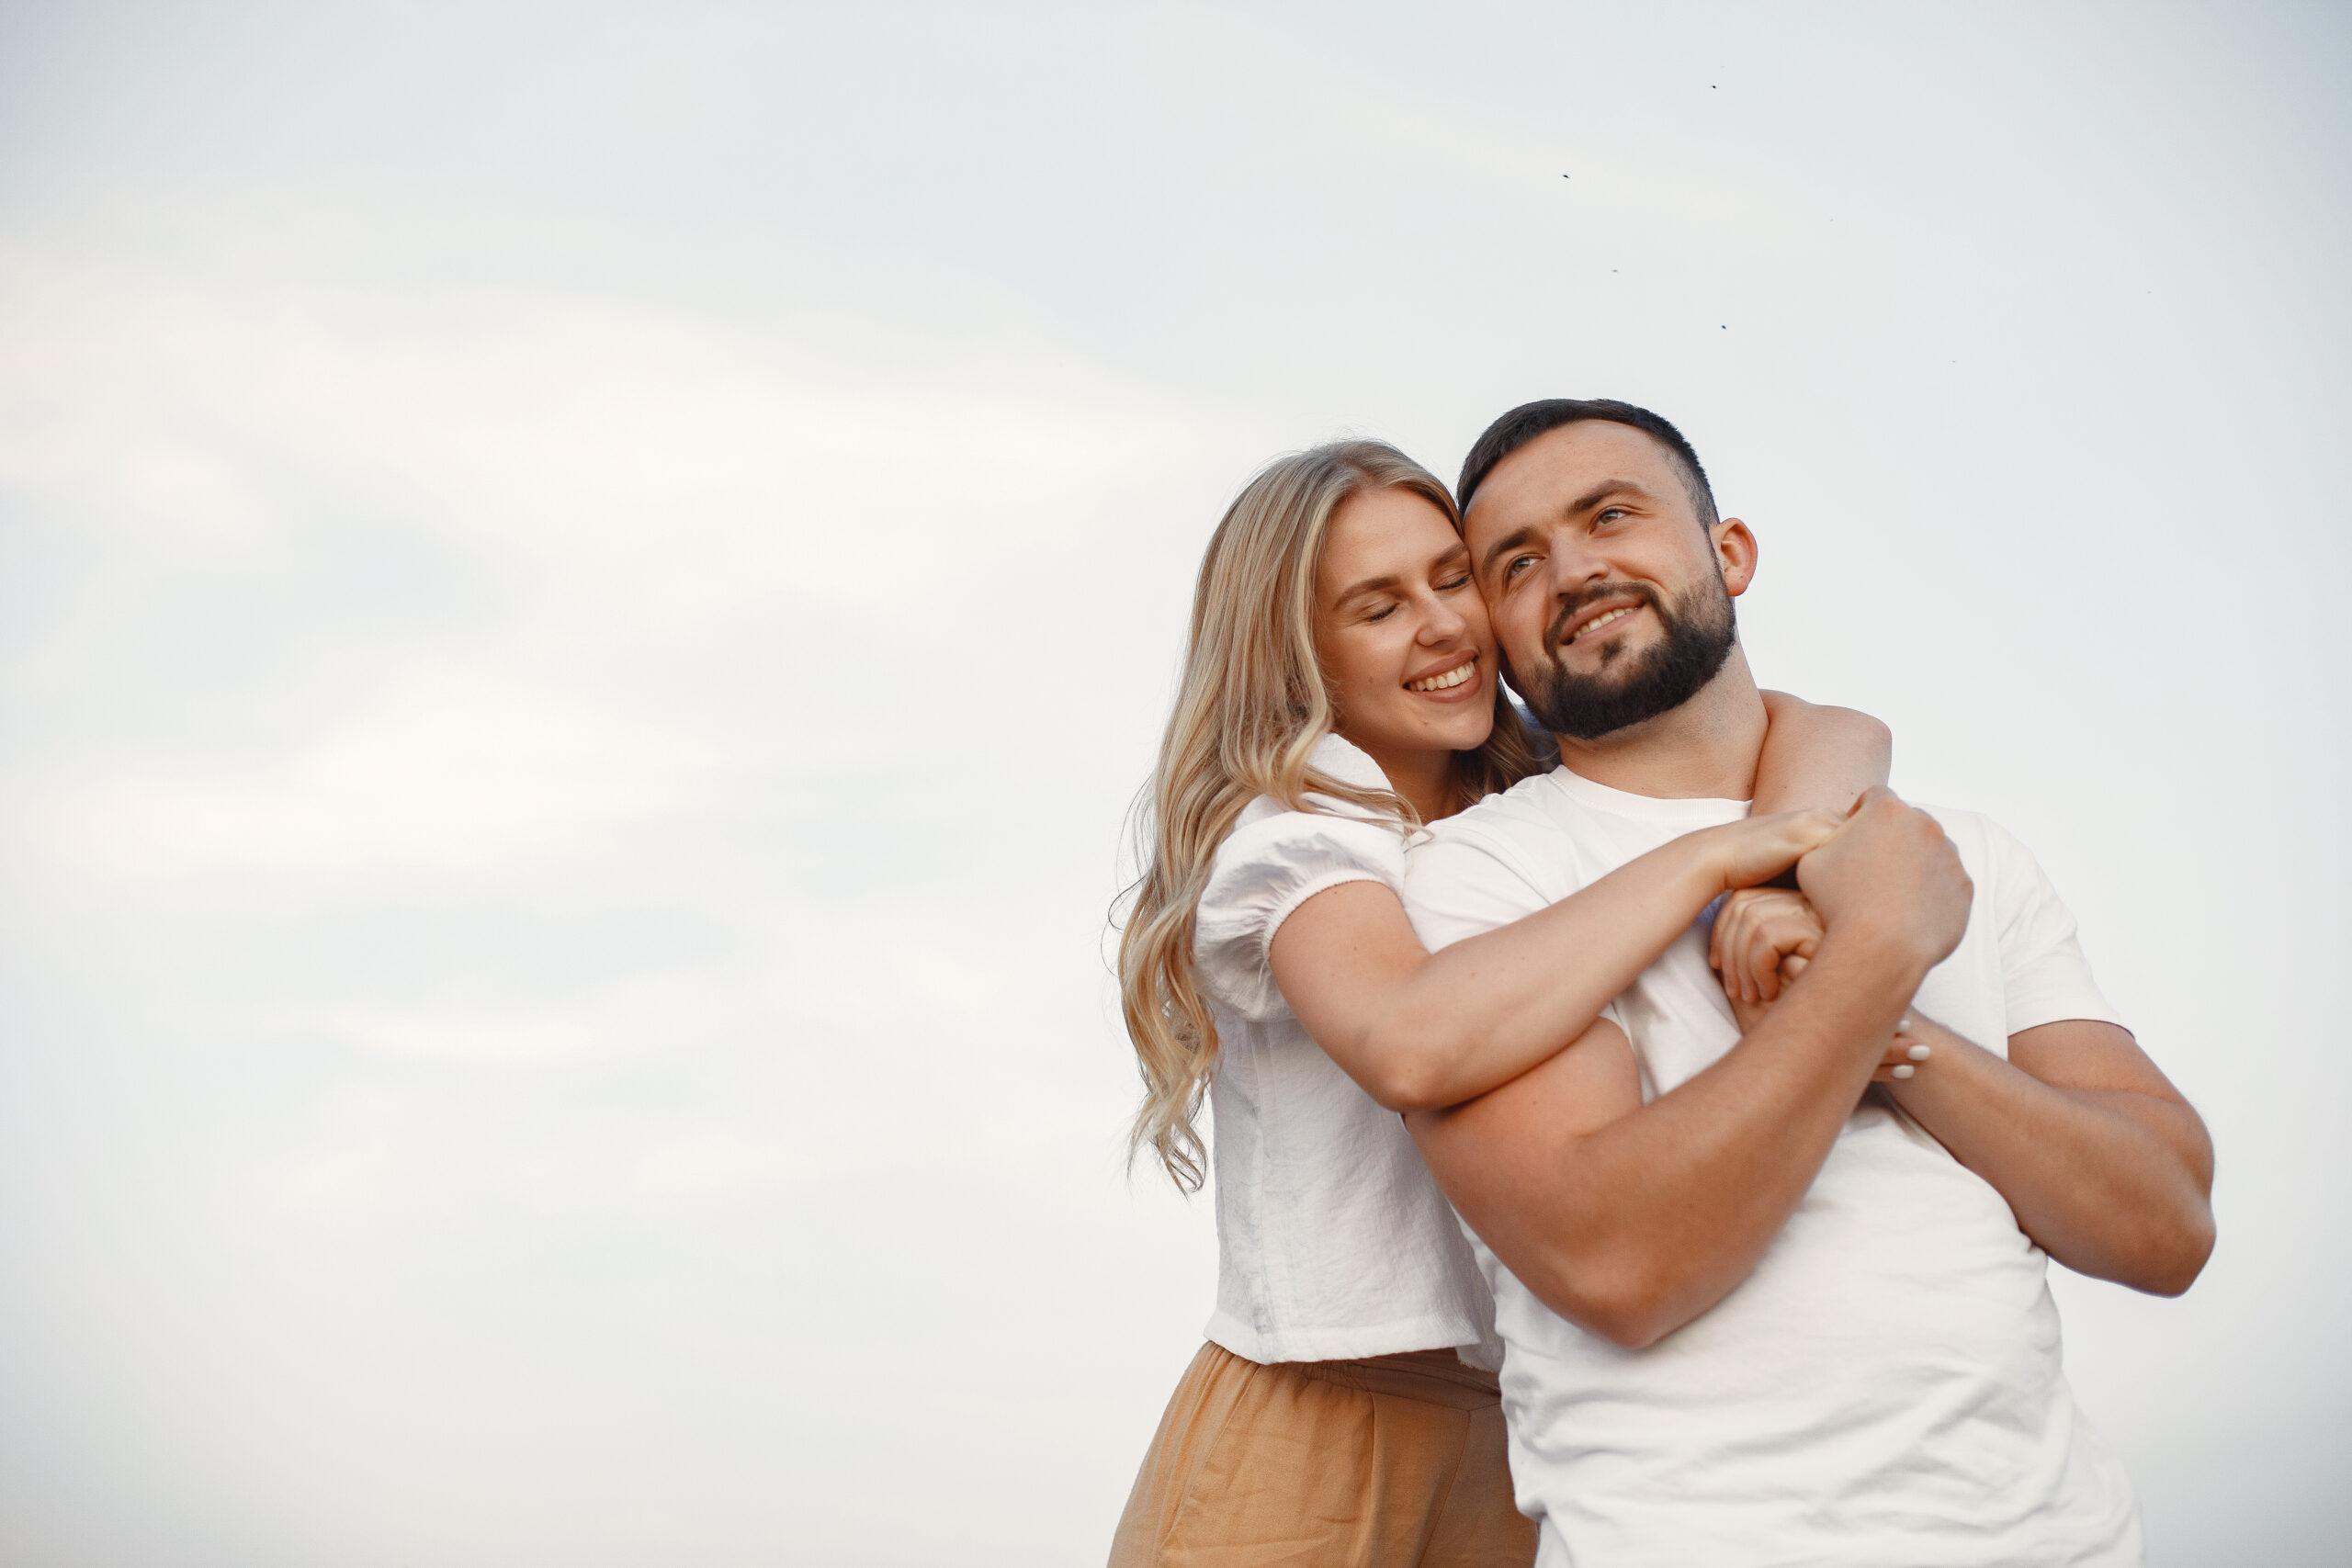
1576, 566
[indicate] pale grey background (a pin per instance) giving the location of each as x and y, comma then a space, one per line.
585, 590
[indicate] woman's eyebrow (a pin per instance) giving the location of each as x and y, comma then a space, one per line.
1385, 583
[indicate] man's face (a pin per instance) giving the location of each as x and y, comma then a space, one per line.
1610, 602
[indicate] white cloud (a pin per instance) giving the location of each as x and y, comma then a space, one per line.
454, 765
632, 481
640, 472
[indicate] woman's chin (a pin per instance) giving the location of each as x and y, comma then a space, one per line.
1469, 733
1466, 731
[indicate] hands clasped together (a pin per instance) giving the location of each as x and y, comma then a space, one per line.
1764, 936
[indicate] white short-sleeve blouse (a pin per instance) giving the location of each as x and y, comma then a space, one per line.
1333, 1241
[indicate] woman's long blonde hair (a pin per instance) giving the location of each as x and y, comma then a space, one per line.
1250, 710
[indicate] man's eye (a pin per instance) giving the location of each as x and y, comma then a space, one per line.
1608, 515
1511, 568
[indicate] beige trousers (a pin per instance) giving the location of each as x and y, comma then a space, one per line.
1392, 1462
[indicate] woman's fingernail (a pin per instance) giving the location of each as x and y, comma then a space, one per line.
1906, 1025
1905, 1071
1920, 1053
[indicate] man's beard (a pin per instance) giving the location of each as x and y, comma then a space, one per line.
1629, 687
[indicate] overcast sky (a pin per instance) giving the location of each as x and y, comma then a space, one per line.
585, 590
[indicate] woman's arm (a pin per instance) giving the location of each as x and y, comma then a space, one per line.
1819, 756
1814, 756
1418, 1031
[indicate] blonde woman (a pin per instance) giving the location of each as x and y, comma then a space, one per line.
1340, 689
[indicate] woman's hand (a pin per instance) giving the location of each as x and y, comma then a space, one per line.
1759, 932
1762, 940
1757, 849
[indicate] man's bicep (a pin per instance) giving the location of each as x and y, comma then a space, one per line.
2082, 1053
1505, 1158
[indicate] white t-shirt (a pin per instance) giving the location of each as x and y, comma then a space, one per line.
1884, 1389
1333, 1241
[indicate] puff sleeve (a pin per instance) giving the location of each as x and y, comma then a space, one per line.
1265, 869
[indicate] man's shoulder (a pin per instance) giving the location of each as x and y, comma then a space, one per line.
1505, 856
1528, 810
2010, 882
1962, 826
1984, 845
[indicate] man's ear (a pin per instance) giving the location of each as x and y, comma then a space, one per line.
1734, 554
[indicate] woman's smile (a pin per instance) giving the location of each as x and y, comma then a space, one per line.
1459, 678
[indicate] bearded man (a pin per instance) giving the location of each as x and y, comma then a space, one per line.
1756, 1307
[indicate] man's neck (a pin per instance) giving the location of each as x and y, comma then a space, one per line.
1706, 748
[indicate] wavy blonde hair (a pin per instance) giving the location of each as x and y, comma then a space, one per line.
1249, 709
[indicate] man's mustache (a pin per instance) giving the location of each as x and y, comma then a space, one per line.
1583, 602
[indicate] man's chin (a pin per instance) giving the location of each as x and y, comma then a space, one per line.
1600, 686
1587, 709
1620, 652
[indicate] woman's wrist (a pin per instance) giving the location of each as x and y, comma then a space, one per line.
1713, 861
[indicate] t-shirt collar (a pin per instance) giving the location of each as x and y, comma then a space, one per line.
1695, 811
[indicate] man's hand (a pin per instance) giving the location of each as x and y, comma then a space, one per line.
1890, 876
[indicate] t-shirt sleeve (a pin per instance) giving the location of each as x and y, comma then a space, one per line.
1262, 872
1458, 884
2044, 975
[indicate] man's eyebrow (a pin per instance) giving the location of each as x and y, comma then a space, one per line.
1602, 491
1575, 508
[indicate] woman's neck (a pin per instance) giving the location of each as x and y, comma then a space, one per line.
1423, 780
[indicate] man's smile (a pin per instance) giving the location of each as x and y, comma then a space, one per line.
1594, 620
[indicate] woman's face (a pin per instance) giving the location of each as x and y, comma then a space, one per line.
1401, 633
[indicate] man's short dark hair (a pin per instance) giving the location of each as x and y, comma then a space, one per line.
1527, 420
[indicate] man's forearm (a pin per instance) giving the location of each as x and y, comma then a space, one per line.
1636, 1226
2110, 1182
